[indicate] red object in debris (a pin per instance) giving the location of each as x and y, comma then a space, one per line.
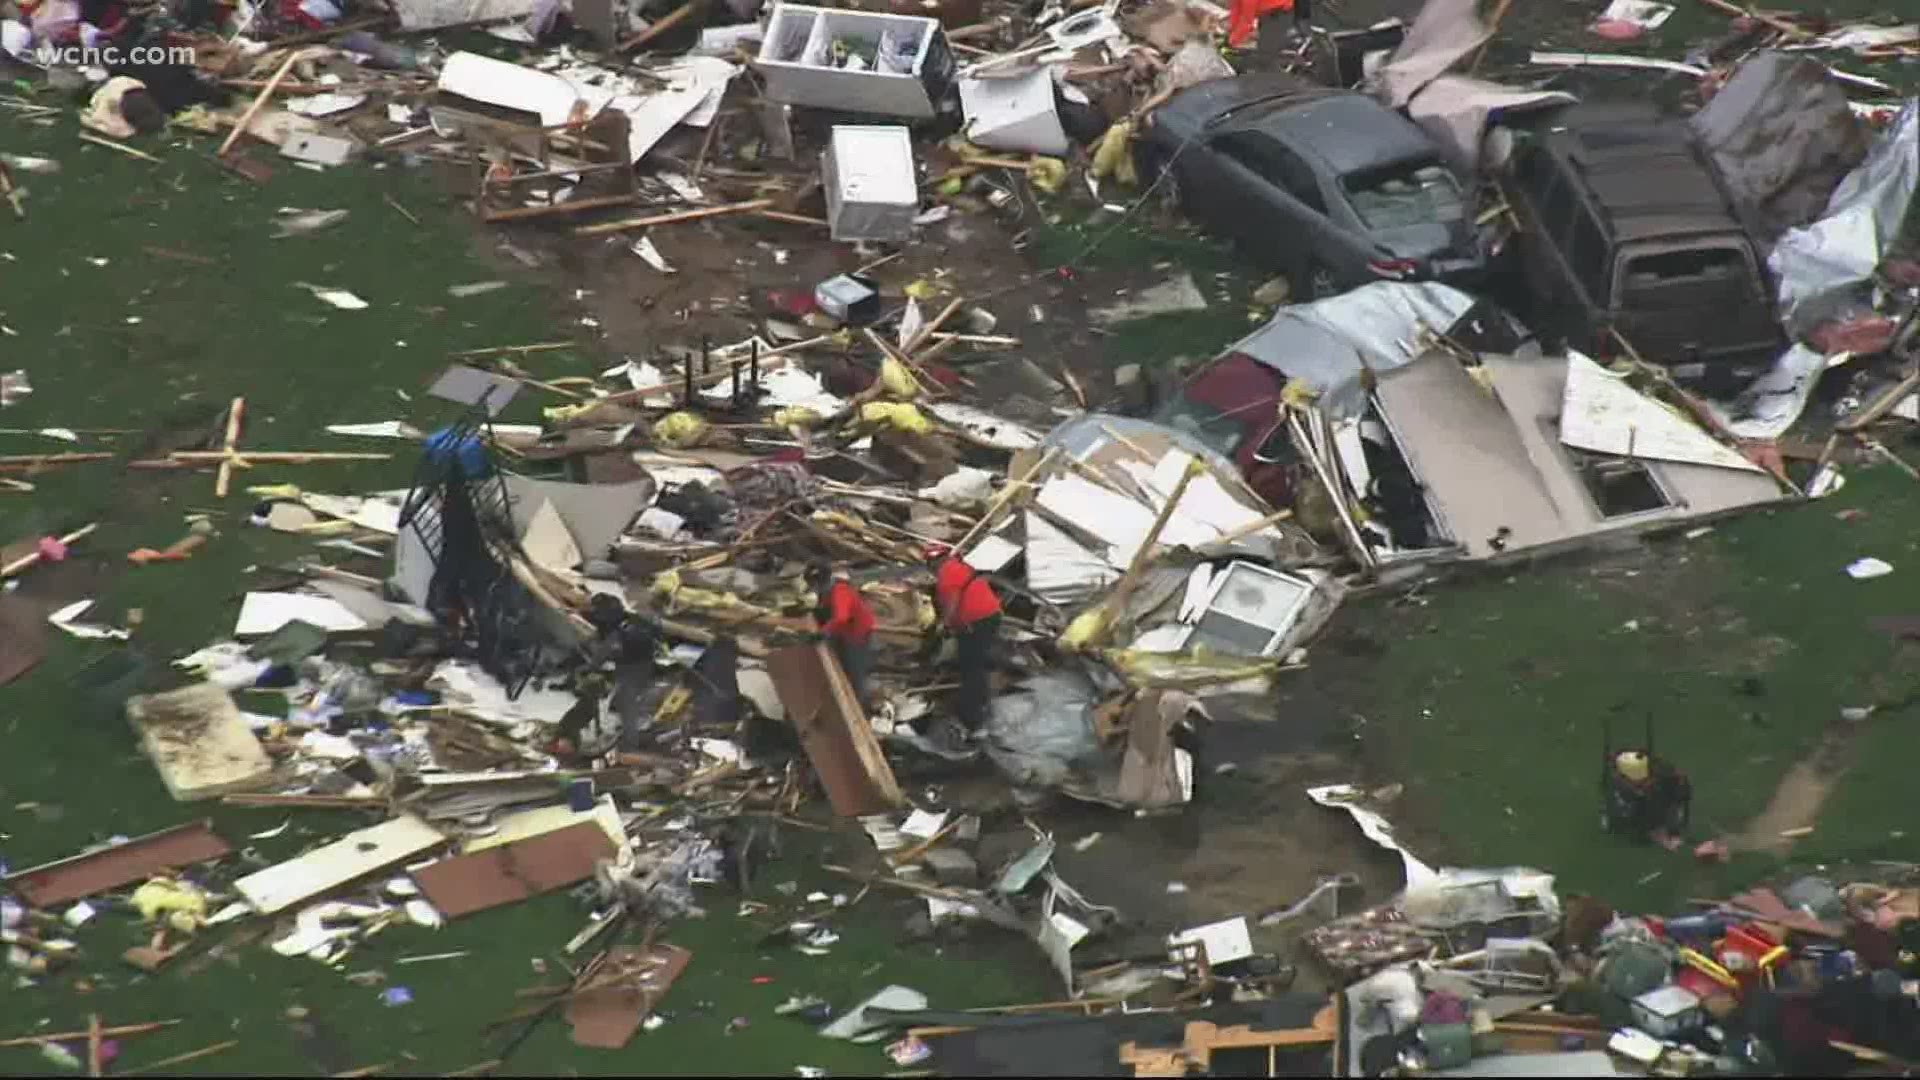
792, 303
1618, 29
1245, 15
762, 980
1902, 272
942, 374
50, 549
1862, 335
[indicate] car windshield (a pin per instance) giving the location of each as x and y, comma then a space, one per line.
1228, 403
1403, 195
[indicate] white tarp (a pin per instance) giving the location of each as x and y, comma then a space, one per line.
1457, 110
1602, 413
1845, 246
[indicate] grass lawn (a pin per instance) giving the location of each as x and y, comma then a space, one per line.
116, 336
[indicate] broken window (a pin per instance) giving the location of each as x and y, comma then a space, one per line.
1704, 278
1404, 195
1621, 487
1249, 611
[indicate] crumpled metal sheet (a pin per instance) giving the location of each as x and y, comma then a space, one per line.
1781, 135
1326, 343
1456, 111
1817, 264
1444, 32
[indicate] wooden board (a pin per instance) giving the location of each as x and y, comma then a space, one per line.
513, 872
527, 824
199, 742
606, 1016
56, 883
353, 856
834, 730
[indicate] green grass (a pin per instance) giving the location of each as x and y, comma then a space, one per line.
237, 325
1743, 645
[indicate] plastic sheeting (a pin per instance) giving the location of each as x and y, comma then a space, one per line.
1444, 32
1456, 111
1037, 735
1325, 344
1818, 264
1781, 135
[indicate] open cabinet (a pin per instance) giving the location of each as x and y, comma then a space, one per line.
855, 61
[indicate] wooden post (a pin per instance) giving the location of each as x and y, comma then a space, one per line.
225, 478
1001, 500
258, 103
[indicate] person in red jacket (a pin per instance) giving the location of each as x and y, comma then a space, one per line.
847, 623
968, 609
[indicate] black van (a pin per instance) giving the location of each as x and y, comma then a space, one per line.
1624, 227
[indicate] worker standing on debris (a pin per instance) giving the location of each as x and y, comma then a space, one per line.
847, 624
1245, 15
968, 609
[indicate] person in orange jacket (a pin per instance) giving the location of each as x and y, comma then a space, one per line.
846, 622
968, 609
1245, 15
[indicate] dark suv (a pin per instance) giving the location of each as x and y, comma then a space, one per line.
1623, 226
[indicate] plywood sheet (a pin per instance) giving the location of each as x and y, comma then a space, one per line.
353, 856
604, 1017
1605, 415
199, 742
513, 872
23, 637
57, 883
834, 731
546, 819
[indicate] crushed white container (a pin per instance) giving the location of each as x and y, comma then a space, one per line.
1015, 113
909, 72
872, 191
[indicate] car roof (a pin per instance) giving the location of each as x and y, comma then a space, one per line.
1644, 176
1347, 132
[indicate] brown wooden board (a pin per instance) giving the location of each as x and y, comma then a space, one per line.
137, 859
606, 1015
23, 636
514, 872
834, 731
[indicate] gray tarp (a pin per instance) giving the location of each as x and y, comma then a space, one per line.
1326, 343
1781, 136
1037, 735
1456, 111
1818, 264
1445, 31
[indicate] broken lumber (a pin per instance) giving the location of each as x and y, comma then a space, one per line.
672, 218
834, 731
669, 21
181, 1059
259, 103
63, 1036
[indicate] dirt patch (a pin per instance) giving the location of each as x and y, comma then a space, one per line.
1800, 794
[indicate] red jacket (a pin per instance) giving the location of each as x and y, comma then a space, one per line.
963, 595
844, 614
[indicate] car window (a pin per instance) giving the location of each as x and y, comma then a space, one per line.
1702, 278
1587, 254
1399, 196
1267, 158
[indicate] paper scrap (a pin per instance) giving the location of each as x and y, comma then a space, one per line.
644, 248
264, 612
339, 298
1869, 567
67, 619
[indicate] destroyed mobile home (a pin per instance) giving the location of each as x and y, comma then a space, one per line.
782, 580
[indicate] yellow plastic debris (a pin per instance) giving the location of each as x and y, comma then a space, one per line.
1085, 629
560, 414
952, 185
899, 416
921, 290
1298, 393
897, 380
274, 491
681, 430
184, 906
1111, 156
797, 416
1047, 174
